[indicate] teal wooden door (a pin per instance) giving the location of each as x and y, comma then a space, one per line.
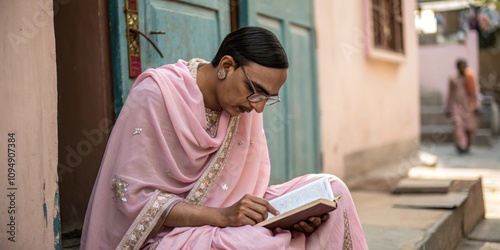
181, 29
292, 126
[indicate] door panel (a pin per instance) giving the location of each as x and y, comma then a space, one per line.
193, 28
292, 126
276, 118
302, 96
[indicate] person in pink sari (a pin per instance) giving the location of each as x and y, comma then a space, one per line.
187, 163
463, 106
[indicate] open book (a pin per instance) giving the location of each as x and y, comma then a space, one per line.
313, 199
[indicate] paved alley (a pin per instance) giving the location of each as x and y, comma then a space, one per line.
482, 162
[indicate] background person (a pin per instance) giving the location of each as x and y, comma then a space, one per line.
463, 106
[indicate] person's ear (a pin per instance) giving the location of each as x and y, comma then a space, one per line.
226, 63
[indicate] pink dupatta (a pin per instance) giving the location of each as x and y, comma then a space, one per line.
159, 154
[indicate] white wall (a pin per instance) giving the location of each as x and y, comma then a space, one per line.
365, 103
438, 62
28, 108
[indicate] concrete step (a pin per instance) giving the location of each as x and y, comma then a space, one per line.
485, 236
478, 245
433, 115
486, 230
431, 98
483, 138
419, 221
484, 164
438, 134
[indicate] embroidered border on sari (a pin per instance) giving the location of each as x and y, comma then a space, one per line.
347, 233
147, 219
154, 245
200, 190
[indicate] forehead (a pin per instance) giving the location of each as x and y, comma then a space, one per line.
270, 78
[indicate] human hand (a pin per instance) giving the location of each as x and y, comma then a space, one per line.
309, 226
249, 210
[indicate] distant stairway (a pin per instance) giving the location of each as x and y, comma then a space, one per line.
437, 128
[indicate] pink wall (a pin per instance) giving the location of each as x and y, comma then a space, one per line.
28, 108
366, 102
437, 62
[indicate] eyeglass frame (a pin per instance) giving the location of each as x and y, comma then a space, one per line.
276, 98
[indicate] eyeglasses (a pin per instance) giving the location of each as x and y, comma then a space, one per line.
258, 97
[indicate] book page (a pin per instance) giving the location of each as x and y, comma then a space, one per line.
318, 189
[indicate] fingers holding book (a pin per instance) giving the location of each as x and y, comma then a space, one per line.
309, 226
249, 210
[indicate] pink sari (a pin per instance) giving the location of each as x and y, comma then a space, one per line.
159, 154
463, 100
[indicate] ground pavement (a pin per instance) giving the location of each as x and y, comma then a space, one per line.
388, 226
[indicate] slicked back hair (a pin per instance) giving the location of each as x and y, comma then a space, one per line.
253, 44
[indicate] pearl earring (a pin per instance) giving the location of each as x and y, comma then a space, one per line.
221, 74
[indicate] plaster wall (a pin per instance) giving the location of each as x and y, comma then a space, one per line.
438, 62
367, 103
29, 200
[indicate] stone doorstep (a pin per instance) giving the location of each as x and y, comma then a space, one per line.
413, 185
450, 232
388, 226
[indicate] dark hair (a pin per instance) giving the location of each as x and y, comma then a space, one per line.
461, 61
254, 44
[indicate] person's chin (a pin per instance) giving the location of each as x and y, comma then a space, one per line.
234, 111
238, 110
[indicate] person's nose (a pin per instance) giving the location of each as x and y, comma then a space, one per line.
258, 106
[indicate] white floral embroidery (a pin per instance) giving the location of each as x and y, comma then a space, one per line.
119, 188
169, 173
